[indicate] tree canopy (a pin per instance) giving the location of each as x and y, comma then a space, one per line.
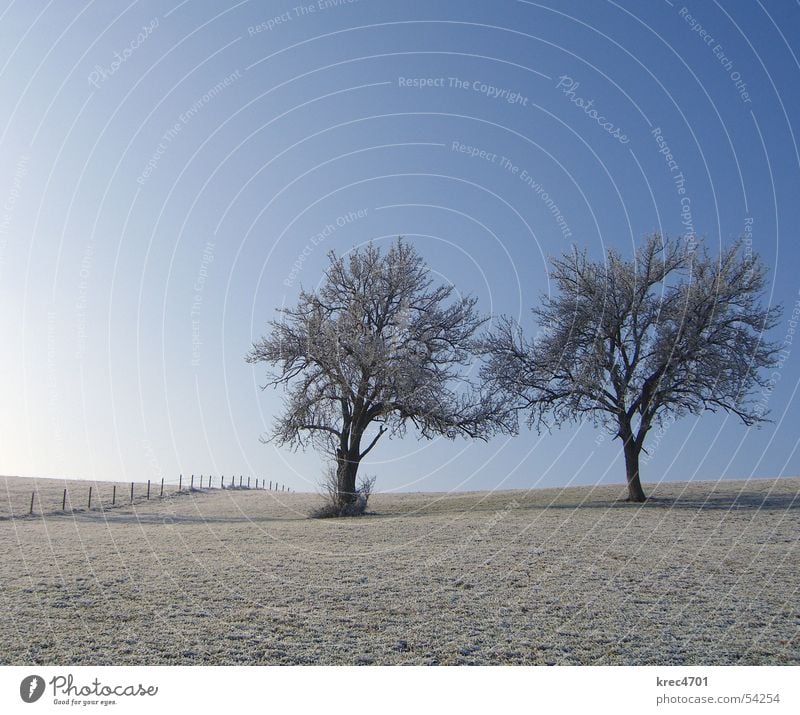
630, 343
376, 348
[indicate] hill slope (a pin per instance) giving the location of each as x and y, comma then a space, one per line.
704, 573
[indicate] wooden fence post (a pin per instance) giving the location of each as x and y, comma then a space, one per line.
64, 501
114, 495
90, 498
240, 481
180, 481
162, 487
232, 481
248, 482
148, 489
270, 485
191, 483
221, 481
32, 494
131, 492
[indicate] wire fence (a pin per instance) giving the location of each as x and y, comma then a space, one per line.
52, 498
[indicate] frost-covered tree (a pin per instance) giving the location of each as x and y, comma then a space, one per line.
630, 344
377, 347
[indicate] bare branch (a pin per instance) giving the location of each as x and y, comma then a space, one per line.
670, 332
377, 342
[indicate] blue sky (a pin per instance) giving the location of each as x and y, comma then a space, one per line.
164, 166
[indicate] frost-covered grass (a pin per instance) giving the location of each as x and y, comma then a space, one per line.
705, 573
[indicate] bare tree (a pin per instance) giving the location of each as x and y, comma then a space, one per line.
631, 343
376, 348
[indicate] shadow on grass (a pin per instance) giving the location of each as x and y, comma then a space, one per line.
752, 501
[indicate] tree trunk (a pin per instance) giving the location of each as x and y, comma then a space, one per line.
346, 471
635, 491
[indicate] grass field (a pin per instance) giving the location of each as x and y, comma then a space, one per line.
704, 573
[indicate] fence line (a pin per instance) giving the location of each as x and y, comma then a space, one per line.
243, 486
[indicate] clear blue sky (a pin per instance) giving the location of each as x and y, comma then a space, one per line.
163, 166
